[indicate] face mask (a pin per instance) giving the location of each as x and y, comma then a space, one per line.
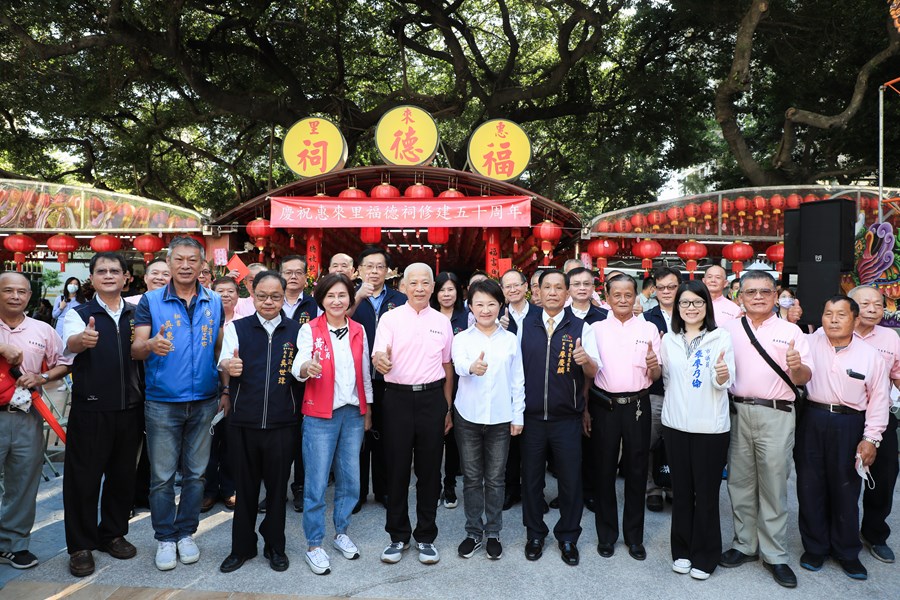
786, 302
72, 288
864, 474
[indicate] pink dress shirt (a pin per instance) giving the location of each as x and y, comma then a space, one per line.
421, 344
38, 342
831, 382
623, 353
887, 342
754, 378
244, 307
725, 310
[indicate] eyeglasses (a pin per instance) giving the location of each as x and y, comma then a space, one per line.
765, 293
102, 272
695, 303
511, 286
206, 272
370, 267
667, 288
299, 273
273, 297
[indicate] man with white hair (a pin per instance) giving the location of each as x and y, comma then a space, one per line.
412, 350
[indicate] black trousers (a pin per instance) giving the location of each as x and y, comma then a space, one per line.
621, 427
299, 470
588, 468
696, 461
877, 502
260, 455
563, 437
828, 486
372, 451
219, 477
451, 461
101, 446
413, 428
514, 467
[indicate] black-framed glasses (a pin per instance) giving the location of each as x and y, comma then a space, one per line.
695, 303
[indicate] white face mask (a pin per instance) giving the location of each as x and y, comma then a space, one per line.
863, 472
72, 288
785, 302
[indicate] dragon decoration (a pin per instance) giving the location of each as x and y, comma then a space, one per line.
877, 255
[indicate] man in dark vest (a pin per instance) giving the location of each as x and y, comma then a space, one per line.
255, 365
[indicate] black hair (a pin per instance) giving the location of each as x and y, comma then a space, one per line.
518, 272
291, 257
442, 278
153, 262
790, 291
79, 293
267, 274
553, 271
329, 281
489, 287
648, 281
372, 250
854, 307
577, 271
695, 286
114, 256
618, 278
475, 273
225, 280
662, 272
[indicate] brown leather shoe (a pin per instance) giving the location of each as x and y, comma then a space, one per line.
207, 504
81, 563
119, 548
230, 501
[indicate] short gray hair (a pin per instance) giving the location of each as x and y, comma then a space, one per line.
855, 291
415, 267
187, 242
759, 275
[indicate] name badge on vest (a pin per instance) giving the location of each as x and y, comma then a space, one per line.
565, 355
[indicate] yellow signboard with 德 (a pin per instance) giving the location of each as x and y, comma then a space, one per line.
407, 136
314, 146
499, 149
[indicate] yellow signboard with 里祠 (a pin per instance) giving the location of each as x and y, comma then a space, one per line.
407, 136
499, 149
314, 146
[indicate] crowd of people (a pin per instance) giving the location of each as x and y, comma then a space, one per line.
363, 385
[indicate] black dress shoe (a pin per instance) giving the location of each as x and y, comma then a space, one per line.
120, 548
637, 551
298, 503
605, 550
232, 563
854, 569
569, 553
590, 504
81, 563
811, 561
534, 549
735, 558
782, 574
554, 504
277, 560
358, 506
655, 503
510, 500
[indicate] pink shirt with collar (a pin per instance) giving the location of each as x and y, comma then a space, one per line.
725, 310
754, 377
39, 344
831, 382
244, 307
421, 344
623, 353
887, 342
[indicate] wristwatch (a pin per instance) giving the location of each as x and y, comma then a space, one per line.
45, 377
874, 442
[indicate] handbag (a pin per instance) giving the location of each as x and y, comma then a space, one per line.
799, 392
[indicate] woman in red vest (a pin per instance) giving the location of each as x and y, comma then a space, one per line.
332, 359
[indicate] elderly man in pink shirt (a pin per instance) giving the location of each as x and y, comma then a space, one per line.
412, 350
877, 502
762, 427
837, 437
27, 344
715, 279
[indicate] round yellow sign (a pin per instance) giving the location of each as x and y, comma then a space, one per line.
499, 149
314, 146
407, 135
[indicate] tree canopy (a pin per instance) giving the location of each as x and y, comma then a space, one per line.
184, 100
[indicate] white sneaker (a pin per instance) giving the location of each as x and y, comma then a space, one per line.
318, 562
165, 556
346, 546
428, 554
394, 552
682, 565
188, 551
698, 574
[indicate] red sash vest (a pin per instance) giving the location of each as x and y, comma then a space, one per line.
318, 398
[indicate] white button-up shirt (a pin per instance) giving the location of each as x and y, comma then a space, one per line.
230, 338
498, 396
344, 371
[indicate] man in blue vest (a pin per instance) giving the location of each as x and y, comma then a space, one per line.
178, 333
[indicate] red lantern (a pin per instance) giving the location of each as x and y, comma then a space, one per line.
259, 230
20, 244
352, 192
656, 219
384, 190
370, 235
638, 221
690, 252
760, 204
737, 252
793, 201
450, 193
601, 250
777, 203
623, 226
148, 244
438, 236
647, 250
62, 244
604, 226
775, 254
548, 230
810, 198
675, 214
418, 190
106, 243
692, 211
709, 210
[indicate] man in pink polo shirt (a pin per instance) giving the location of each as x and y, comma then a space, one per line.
877, 502
839, 434
762, 428
26, 344
412, 350
715, 279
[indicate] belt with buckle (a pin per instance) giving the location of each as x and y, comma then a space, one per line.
834, 408
782, 405
418, 387
618, 398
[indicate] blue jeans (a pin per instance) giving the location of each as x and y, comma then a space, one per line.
482, 456
177, 436
331, 443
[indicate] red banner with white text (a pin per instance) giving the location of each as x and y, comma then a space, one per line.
485, 211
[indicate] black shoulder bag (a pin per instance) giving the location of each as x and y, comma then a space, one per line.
799, 392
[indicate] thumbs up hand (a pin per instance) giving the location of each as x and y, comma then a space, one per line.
314, 365
652, 360
793, 357
235, 365
382, 361
721, 369
479, 367
90, 336
581, 357
795, 312
504, 320
159, 345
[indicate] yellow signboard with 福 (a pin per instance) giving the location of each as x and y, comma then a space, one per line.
499, 149
314, 146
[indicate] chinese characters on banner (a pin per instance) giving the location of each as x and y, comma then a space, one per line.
313, 252
407, 135
316, 211
314, 146
492, 254
499, 149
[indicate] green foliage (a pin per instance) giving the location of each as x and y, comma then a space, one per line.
49, 279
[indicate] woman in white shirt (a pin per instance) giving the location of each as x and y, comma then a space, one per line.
489, 408
697, 365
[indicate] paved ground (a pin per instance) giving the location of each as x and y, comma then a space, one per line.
512, 577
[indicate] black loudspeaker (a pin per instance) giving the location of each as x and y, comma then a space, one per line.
827, 232
816, 283
791, 240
